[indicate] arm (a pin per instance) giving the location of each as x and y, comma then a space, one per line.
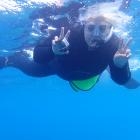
45, 51
123, 77
120, 75
119, 66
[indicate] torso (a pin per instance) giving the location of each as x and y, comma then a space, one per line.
81, 63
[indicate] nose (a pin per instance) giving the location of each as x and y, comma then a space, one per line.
96, 32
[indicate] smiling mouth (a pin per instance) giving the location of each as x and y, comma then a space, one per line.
94, 43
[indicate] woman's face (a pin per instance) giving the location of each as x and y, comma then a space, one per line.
97, 31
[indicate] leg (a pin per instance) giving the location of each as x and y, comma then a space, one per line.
21, 60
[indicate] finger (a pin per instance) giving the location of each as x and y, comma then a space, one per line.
61, 36
124, 48
128, 55
64, 49
120, 43
67, 34
128, 42
53, 42
123, 52
121, 46
127, 51
120, 55
56, 38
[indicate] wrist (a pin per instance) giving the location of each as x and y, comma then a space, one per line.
60, 49
120, 62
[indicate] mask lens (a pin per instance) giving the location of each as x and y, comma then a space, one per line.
91, 27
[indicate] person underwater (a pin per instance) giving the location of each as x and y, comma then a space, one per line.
79, 53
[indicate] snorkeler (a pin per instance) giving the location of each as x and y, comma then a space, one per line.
79, 54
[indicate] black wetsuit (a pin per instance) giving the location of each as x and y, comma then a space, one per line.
82, 63
79, 64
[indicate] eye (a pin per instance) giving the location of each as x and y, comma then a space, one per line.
91, 27
43, 27
102, 28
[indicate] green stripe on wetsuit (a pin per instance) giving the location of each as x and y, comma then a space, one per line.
84, 85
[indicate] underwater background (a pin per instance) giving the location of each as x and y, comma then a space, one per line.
48, 108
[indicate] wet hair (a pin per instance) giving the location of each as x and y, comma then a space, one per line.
110, 12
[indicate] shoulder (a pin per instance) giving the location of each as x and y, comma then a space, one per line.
111, 47
77, 34
113, 43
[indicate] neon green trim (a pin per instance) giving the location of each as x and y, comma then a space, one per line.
84, 85
74, 87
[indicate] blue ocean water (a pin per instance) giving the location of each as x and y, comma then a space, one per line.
48, 109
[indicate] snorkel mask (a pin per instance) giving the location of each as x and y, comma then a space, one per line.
97, 31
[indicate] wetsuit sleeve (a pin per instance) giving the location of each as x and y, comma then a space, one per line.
120, 75
43, 52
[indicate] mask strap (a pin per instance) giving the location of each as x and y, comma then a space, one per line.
110, 35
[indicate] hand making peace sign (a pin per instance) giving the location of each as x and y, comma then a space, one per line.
60, 45
122, 55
